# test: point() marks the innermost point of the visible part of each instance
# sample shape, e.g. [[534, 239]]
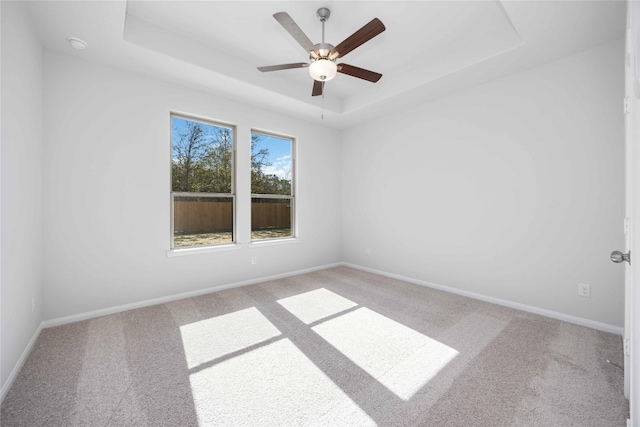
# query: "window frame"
[[291, 197], [173, 194]]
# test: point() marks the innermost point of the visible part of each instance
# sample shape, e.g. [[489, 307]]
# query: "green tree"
[[187, 153], [217, 162], [202, 162], [259, 160], [202, 159], [262, 183]]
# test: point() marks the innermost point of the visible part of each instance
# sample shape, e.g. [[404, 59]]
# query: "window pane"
[[271, 167], [201, 157], [270, 218], [201, 221]]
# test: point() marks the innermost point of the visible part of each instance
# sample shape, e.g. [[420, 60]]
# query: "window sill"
[[260, 243], [202, 250]]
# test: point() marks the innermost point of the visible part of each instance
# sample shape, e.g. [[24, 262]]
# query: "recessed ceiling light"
[[77, 43]]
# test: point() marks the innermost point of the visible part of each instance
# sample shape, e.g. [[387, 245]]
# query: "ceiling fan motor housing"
[[322, 51]]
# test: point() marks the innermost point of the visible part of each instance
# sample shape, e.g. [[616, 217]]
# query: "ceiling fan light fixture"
[[323, 70]]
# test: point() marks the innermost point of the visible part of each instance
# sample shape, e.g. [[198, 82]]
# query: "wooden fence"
[[265, 215], [189, 216]]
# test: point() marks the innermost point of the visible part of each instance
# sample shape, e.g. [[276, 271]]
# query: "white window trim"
[[274, 242], [294, 238], [192, 250], [198, 250]]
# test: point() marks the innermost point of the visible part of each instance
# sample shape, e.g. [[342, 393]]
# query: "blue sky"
[[279, 155], [179, 126]]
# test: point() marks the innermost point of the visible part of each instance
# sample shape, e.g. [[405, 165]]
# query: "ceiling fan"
[[323, 56]]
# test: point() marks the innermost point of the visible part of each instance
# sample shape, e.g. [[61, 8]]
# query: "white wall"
[[107, 211], [21, 177], [513, 190]]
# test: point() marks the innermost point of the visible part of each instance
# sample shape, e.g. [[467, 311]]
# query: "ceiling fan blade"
[[292, 28], [358, 72], [318, 87], [361, 36], [283, 66]]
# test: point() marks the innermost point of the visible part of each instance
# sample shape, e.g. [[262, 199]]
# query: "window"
[[202, 183], [272, 186]]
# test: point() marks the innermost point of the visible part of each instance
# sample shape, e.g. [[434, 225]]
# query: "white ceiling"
[[429, 48]]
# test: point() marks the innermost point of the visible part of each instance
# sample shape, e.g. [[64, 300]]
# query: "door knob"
[[618, 257]]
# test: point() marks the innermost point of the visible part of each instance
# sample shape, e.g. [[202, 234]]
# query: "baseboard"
[[146, 303], [162, 300], [16, 369], [618, 330]]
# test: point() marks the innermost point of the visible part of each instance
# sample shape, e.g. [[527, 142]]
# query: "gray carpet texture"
[[335, 347]]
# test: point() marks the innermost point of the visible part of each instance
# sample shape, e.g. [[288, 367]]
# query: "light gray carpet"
[[334, 347]]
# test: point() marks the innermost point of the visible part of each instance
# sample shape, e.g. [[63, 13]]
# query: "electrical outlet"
[[367, 252], [584, 290], [254, 261]]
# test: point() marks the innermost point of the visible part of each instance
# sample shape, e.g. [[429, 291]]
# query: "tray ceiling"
[[429, 48]]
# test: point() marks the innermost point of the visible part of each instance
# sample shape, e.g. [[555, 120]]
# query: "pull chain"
[[322, 113]]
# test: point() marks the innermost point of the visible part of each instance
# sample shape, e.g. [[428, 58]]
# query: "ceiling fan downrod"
[[323, 49], [323, 15]]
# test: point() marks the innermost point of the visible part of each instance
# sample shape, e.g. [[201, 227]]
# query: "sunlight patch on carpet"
[[274, 384], [315, 305], [210, 339], [401, 359]]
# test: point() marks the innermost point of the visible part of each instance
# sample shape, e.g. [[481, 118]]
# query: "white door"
[[632, 222]]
